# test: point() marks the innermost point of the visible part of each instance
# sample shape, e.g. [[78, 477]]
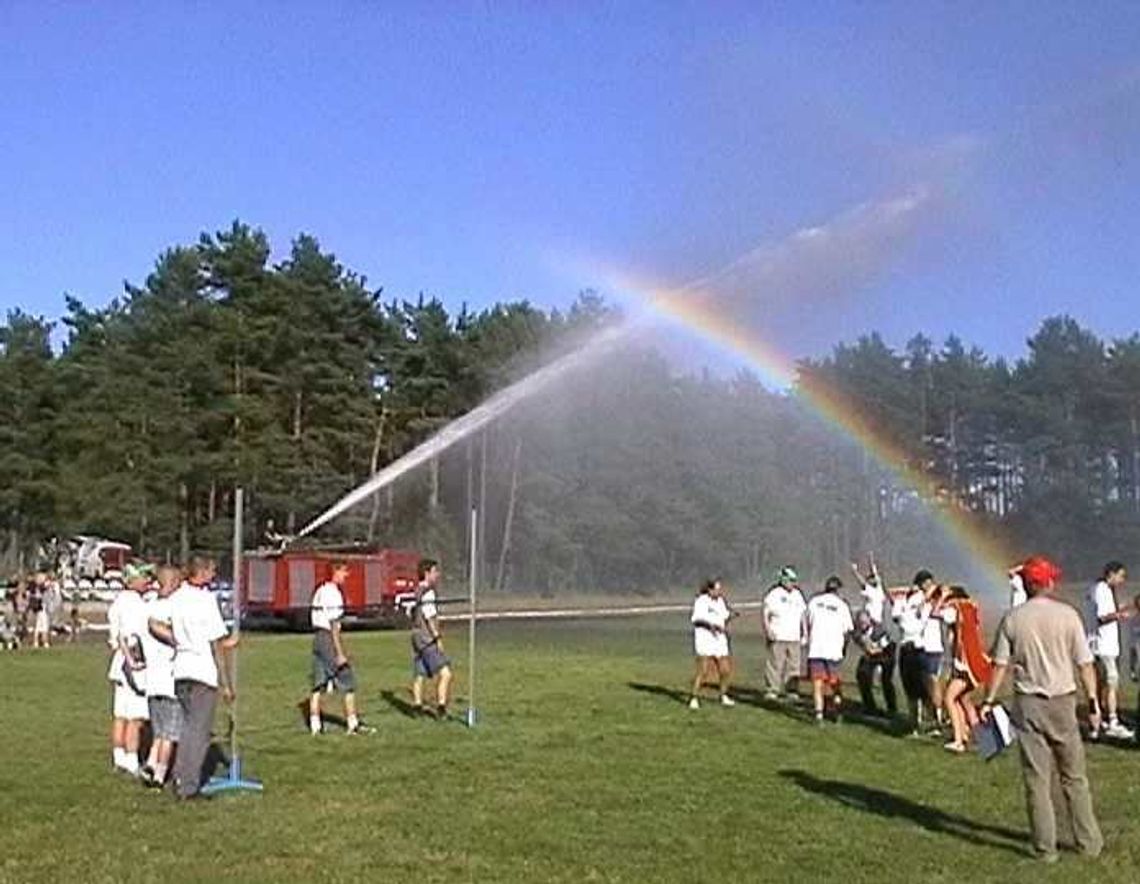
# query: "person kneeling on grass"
[[829, 622], [428, 658], [165, 711], [330, 662], [971, 665], [710, 642]]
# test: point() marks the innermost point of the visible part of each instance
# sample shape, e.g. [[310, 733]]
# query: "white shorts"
[[130, 705], [1108, 670], [708, 644]]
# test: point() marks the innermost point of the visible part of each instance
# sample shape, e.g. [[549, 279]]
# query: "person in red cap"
[[1044, 641]]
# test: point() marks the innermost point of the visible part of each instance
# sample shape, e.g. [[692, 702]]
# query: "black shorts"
[[325, 670]]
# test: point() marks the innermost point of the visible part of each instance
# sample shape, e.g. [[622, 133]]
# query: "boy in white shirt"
[[783, 612], [165, 710], [127, 624], [1103, 625], [201, 645], [330, 662], [829, 622]]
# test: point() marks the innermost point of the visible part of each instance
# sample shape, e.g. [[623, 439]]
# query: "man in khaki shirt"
[[1044, 641]]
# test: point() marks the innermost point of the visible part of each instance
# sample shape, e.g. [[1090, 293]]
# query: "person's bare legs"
[[724, 672], [817, 696], [936, 697], [443, 688], [315, 711], [418, 691], [957, 716], [698, 677], [349, 706]]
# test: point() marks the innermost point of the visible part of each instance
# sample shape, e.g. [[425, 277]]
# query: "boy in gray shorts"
[[331, 668], [165, 710], [428, 658]]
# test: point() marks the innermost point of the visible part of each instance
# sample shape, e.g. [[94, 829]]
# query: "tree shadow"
[[891, 806]]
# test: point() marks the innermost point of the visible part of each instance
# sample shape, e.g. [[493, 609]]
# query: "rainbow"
[[693, 310]]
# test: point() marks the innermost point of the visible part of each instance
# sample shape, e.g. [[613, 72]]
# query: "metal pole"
[[235, 604], [473, 579]]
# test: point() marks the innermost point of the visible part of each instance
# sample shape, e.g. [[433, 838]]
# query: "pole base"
[[470, 717], [232, 782]]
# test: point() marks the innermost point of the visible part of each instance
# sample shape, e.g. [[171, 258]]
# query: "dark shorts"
[[429, 661], [325, 671], [165, 718], [823, 670], [931, 664]]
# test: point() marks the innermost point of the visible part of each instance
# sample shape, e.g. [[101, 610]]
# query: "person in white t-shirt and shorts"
[[829, 622], [1103, 624], [710, 642], [165, 710], [331, 668], [127, 624]]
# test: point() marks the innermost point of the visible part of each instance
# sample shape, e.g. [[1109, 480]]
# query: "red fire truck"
[[277, 586]]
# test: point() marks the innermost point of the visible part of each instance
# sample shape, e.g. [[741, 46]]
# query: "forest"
[[296, 381]]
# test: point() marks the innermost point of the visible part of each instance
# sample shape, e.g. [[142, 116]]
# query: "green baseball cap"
[[137, 570], [787, 574]]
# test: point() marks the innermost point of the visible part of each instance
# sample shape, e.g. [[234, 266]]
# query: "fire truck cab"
[[279, 585]]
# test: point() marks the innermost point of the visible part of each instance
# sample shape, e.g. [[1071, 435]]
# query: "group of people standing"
[[35, 607], [931, 634], [1046, 644], [169, 662]]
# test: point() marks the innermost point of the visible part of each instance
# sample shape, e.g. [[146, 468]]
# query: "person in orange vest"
[[970, 664]]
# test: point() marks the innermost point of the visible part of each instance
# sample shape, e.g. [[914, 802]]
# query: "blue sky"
[[492, 151]]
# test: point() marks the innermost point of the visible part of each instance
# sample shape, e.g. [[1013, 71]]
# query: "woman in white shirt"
[[710, 642]]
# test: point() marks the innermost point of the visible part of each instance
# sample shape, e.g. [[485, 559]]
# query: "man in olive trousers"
[[1044, 641]]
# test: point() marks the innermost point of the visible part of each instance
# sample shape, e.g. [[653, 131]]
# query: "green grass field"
[[585, 766]]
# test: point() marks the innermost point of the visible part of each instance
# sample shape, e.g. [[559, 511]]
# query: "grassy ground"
[[584, 767]]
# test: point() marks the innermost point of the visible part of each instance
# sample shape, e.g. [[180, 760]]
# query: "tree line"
[[297, 380]]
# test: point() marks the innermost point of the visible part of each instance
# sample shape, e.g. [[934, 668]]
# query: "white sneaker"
[[726, 700], [1118, 731], [694, 703]]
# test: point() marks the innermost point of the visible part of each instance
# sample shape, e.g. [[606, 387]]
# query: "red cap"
[[1038, 571]]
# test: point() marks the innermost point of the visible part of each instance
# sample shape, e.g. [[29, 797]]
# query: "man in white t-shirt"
[[201, 645], [331, 668], [783, 613], [1102, 627], [127, 624], [829, 622], [710, 642], [165, 710]]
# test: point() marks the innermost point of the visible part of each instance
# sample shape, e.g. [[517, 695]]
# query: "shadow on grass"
[[885, 804], [326, 717], [798, 710], [675, 694], [400, 704]]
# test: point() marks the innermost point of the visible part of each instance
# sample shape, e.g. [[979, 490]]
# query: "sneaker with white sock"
[[726, 700], [694, 703], [1118, 731]]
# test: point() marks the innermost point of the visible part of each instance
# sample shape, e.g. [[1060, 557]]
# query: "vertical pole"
[[473, 579], [239, 519]]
